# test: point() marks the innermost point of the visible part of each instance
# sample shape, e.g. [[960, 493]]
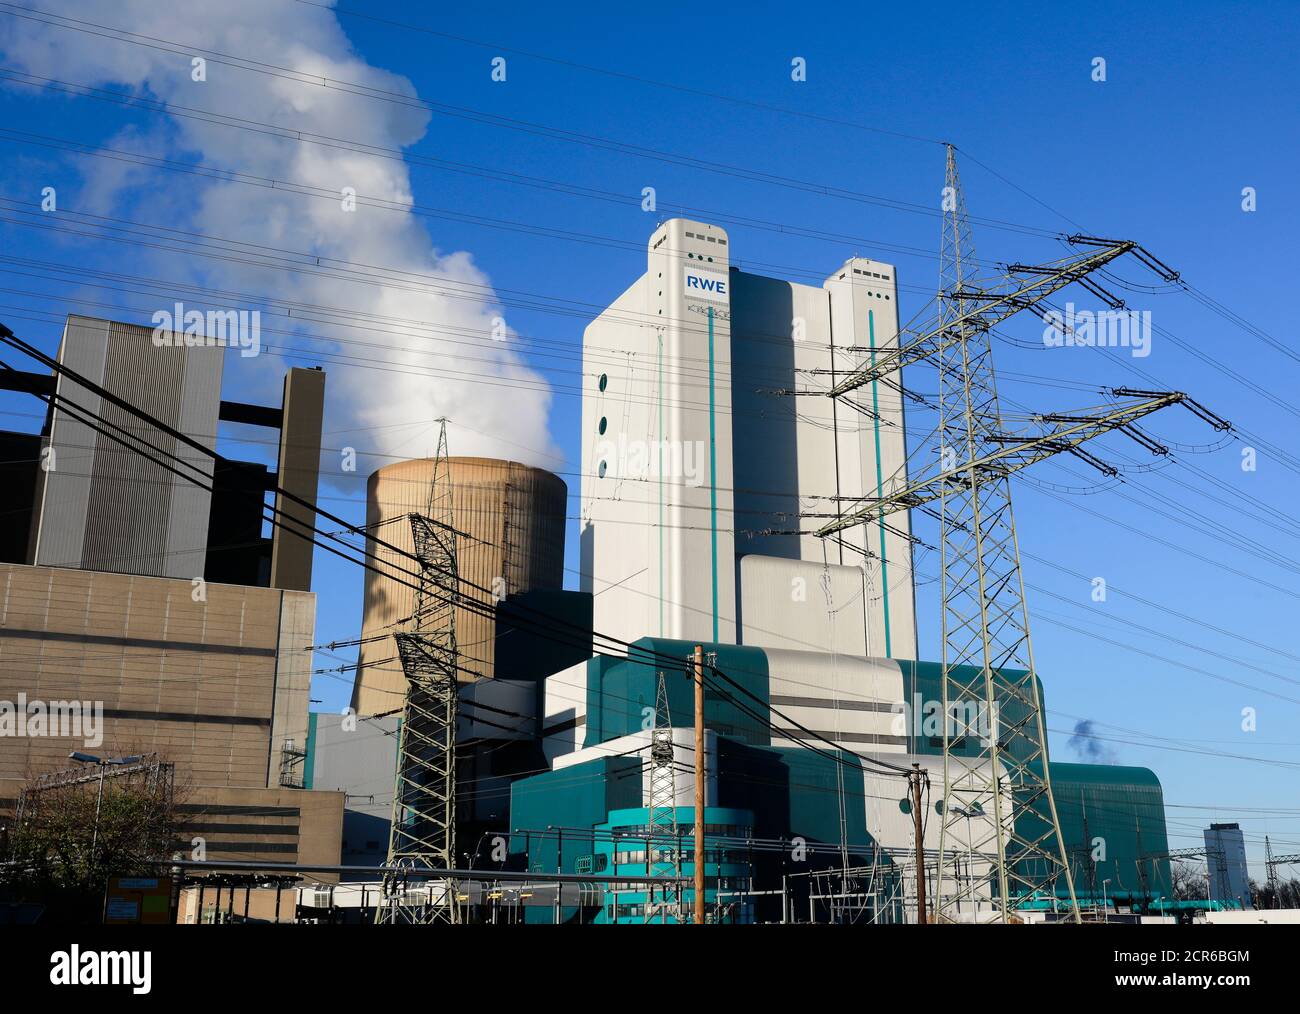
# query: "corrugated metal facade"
[[105, 507]]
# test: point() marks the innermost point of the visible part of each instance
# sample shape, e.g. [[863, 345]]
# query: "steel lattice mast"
[[1210, 855], [988, 658], [989, 674], [970, 309], [664, 838], [423, 832], [1271, 863]]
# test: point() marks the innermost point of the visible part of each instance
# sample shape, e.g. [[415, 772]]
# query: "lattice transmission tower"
[[988, 656], [663, 840], [1271, 863], [997, 800], [423, 832]]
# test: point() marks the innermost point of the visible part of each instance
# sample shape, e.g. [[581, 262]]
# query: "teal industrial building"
[[779, 815]]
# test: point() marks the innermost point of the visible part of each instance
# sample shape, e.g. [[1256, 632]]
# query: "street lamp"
[[102, 763]]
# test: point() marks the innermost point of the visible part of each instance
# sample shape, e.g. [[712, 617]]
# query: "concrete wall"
[[851, 701], [564, 706], [803, 604], [214, 686], [241, 823], [871, 456], [692, 455], [656, 510], [303, 408], [358, 757], [1272, 916]]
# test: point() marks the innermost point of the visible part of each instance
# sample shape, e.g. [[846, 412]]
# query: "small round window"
[[602, 470], [604, 380], [603, 423]]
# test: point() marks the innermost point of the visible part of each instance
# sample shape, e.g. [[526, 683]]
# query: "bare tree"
[[1188, 881], [1287, 894]]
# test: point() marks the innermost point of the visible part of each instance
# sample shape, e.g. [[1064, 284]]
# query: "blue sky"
[[1199, 102]]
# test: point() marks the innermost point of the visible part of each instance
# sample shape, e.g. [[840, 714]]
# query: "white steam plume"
[[369, 409]]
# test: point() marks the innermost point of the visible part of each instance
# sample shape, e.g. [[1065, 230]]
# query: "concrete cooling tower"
[[513, 517]]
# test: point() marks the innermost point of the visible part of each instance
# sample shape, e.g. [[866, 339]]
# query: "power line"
[[510, 123]]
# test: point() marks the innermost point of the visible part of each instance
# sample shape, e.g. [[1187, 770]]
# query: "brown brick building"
[[217, 686], [158, 604]]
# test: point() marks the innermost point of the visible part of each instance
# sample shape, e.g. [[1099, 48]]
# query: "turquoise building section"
[[627, 844], [309, 764], [580, 819], [923, 689], [1122, 807], [552, 815], [621, 692], [1110, 816], [797, 793], [779, 812]]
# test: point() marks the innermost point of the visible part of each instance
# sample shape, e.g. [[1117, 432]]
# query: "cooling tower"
[[512, 518]]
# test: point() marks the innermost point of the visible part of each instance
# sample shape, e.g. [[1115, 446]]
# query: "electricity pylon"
[[988, 658], [1211, 855], [967, 310], [1271, 863], [989, 676], [663, 840], [423, 832]]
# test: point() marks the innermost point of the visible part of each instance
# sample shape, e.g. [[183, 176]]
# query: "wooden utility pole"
[[914, 783], [699, 785]]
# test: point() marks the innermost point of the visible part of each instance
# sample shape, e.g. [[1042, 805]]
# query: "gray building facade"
[[1229, 877], [101, 506]]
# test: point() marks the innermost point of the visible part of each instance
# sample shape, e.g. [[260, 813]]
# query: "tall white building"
[[699, 475]]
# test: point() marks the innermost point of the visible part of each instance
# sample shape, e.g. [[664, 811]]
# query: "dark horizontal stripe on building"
[[242, 810], [7, 805], [280, 848], [827, 702], [843, 737], [182, 716], [218, 828], [137, 642], [565, 726]]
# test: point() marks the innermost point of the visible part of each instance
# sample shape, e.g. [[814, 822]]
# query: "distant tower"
[[1229, 875]]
